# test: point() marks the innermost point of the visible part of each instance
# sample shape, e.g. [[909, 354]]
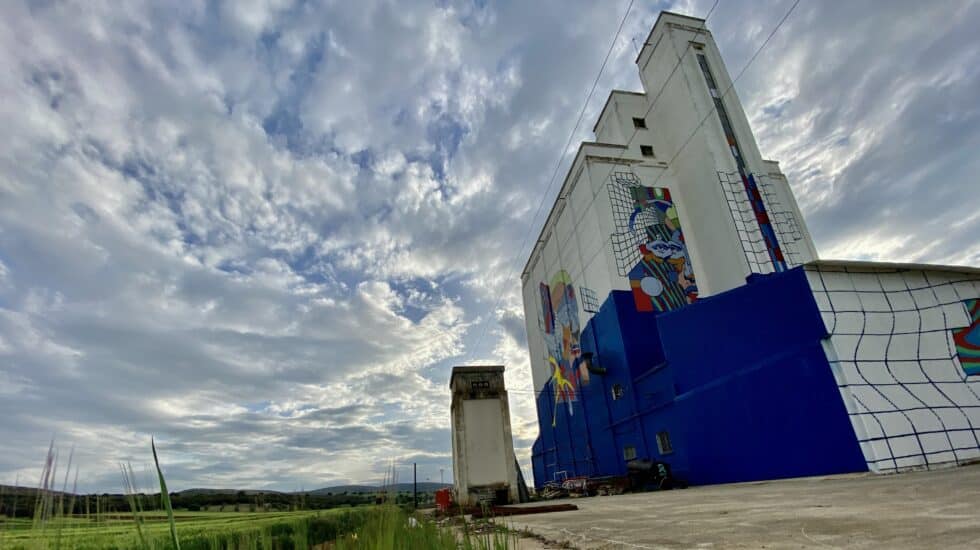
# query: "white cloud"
[[264, 234]]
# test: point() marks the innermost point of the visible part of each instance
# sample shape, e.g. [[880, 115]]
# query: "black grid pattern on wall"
[[625, 241], [753, 245], [783, 220], [895, 359], [590, 302]]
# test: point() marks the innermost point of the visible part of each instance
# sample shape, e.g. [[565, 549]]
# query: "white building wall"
[[892, 353], [579, 240], [483, 449], [575, 242], [793, 232], [486, 451], [669, 70], [699, 154]]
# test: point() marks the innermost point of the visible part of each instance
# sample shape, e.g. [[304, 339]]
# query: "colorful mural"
[[662, 279], [559, 319], [968, 340], [748, 180]]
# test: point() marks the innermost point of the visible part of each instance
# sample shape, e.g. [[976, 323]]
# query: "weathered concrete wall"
[[485, 445], [484, 464]]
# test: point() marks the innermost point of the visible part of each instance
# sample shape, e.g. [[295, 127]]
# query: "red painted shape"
[[640, 298]]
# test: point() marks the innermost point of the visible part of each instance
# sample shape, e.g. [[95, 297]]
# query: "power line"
[[561, 156]]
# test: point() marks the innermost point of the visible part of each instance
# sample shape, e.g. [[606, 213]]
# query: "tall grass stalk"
[[43, 487], [60, 515], [165, 498], [135, 502]]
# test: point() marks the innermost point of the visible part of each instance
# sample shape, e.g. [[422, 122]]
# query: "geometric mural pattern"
[[783, 221], [626, 240], [649, 245], [562, 331], [590, 302], [744, 217], [761, 215], [968, 340], [896, 351], [753, 245]]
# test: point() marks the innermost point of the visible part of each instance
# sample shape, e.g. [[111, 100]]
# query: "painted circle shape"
[[651, 286]]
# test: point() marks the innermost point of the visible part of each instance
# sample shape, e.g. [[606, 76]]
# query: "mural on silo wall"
[[651, 256], [649, 245], [968, 340], [560, 321]]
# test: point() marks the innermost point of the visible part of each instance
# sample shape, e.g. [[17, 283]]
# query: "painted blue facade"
[[739, 383]]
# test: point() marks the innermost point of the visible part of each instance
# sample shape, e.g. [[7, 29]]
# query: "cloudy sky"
[[263, 231]]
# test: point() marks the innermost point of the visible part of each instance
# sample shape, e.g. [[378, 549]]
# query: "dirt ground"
[[938, 509]]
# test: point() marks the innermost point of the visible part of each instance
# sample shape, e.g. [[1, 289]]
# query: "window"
[[639, 122], [629, 453], [646, 150], [617, 392], [663, 443]]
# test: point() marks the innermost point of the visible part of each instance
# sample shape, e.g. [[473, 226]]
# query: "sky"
[[262, 232]]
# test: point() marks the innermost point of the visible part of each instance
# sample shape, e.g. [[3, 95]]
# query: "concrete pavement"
[[939, 509]]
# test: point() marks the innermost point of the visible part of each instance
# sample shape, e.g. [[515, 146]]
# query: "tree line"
[[22, 503]]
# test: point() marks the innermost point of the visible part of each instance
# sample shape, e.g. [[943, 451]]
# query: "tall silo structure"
[[484, 466]]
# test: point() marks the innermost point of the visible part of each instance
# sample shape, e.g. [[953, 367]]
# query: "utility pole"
[[415, 485]]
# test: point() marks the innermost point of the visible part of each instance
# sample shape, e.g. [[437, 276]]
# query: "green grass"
[[196, 530], [390, 528], [385, 527], [165, 498], [374, 527]]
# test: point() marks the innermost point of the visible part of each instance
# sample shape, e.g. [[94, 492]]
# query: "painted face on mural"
[[663, 278], [666, 249]]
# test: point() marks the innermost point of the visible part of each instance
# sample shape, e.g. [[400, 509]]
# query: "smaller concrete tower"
[[484, 466]]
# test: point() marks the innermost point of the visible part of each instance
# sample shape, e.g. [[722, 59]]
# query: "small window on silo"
[[663, 443], [617, 392], [629, 453], [639, 122], [646, 150]]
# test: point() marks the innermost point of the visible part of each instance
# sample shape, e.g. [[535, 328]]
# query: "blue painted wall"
[[739, 381]]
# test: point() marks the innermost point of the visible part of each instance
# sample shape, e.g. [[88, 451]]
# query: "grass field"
[[368, 527], [196, 530], [53, 525]]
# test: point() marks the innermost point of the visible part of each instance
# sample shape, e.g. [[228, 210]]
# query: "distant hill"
[[423, 487], [203, 491], [344, 489], [20, 490]]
